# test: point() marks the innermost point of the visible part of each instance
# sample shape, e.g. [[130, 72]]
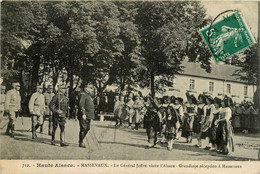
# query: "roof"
[[218, 71]]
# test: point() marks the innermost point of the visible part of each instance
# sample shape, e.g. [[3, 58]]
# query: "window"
[[245, 90], [211, 86], [192, 84], [229, 88]]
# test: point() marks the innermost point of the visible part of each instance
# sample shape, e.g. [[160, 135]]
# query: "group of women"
[[205, 118]]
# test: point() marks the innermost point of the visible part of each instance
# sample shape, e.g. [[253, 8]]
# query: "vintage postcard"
[[130, 87]]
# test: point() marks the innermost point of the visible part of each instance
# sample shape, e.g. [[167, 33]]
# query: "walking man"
[[36, 108], [86, 112], [59, 108], [48, 113], [12, 107], [152, 121]]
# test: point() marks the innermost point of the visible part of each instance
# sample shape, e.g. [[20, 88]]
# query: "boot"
[[136, 126], [41, 128], [33, 132], [129, 126], [81, 138], [53, 138], [62, 139], [12, 130], [36, 127], [7, 132]]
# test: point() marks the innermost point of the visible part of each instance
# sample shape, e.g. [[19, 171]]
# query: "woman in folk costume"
[[206, 123], [213, 128], [138, 105], [191, 110], [171, 120], [200, 117], [224, 134], [162, 116], [179, 109]]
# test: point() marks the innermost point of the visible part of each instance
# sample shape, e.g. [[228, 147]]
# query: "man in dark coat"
[[86, 112], [59, 108], [152, 121]]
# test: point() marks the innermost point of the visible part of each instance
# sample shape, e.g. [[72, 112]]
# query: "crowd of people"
[[202, 118], [165, 119]]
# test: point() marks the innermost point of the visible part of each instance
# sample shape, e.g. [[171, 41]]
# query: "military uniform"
[[12, 107], [152, 122], [36, 108], [86, 108], [59, 108], [48, 113]]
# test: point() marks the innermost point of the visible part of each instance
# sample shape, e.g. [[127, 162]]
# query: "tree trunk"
[[152, 82], [35, 73]]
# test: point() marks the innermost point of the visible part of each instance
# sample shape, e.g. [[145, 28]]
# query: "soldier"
[[37, 108], [59, 108], [152, 121], [48, 95], [86, 112], [12, 107], [2, 102]]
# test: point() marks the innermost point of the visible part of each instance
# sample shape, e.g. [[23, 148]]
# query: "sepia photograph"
[[129, 80]]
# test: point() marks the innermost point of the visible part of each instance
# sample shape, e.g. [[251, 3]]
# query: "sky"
[[249, 11]]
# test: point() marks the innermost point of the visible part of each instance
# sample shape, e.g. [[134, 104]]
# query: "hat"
[[3, 87], [217, 100], [228, 101], [39, 86], [203, 97], [172, 99], [14, 84], [211, 100], [179, 99], [193, 99]]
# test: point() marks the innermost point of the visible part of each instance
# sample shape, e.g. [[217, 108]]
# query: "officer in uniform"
[[37, 108], [2, 102], [59, 108], [152, 121], [12, 107], [48, 95], [86, 112]]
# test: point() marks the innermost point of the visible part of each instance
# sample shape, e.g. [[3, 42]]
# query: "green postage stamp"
[[227, 36]]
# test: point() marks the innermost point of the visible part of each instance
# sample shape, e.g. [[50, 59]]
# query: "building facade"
[[222, 80]]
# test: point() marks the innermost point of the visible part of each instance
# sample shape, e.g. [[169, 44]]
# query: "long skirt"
[[170, 131], [224, 137], [187, 126], [196, 124], [213, 133]]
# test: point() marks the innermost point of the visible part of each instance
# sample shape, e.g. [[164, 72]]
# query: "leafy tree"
[[169, 32]]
